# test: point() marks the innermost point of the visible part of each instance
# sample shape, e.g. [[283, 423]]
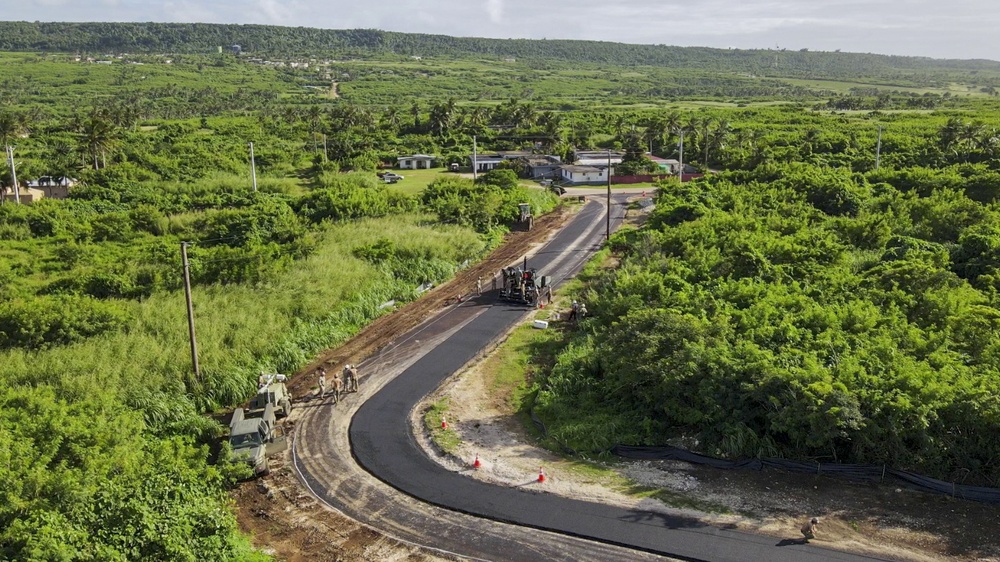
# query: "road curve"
[[322, 460], [382, 443]]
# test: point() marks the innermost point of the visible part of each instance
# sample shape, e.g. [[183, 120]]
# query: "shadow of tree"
[[664, 519]]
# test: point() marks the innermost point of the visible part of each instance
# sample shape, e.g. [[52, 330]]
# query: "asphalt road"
[[382, 443], [322, 459]]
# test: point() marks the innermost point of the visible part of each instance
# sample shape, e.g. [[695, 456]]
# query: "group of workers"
[[345, 380]]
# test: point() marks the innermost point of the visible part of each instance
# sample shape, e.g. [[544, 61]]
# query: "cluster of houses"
[[588, 168]]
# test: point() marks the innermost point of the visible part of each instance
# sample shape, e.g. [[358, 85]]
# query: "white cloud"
[[494, 8], [275, 11]]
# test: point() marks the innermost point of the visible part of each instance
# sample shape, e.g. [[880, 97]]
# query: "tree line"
[[201, 37]]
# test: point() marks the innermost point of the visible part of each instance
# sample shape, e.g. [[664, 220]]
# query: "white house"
[[490, 160], [598, 158], [415, 162], [583, 175]]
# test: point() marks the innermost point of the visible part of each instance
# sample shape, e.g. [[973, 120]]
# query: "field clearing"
[[842, 87], [415, 181]]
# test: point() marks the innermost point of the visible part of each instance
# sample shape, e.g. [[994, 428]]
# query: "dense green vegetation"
[[799, 311], [801, 303], [107, 447]]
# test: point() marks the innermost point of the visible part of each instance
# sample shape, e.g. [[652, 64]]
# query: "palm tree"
[[441, 116], [618, 122], [390, 117], [717, 138], [988, 143], [551, 124], [415, 112], [314, 117], [669, 126], [580, 135], [11, 126], [99, 137]]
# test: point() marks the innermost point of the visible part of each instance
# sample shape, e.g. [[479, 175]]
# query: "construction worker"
[[583, 311], [321, 372], [338, 387], [809, 529], [494, 281], [573, 310], [479, 286], [353, 386], [349, 378]]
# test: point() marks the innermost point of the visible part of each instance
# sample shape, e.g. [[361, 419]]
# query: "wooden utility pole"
[[190, 310], [878, 148], [253, 168], [680, 171], [475, 164], [13, 174], [607, 227]]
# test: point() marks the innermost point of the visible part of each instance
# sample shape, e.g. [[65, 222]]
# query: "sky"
[[962, 29]]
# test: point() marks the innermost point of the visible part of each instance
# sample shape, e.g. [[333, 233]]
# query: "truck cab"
[[250, 438]]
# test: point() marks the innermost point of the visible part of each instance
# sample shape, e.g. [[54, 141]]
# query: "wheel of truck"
[[267, 468]]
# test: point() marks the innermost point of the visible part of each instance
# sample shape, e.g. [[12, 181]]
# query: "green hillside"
[[270, 40]]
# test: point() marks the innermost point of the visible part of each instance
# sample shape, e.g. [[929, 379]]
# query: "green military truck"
[[254, 433], [253, 439], [272, 390]]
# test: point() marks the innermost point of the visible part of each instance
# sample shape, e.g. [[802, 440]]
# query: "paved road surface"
[[382, 443], [323, 460]]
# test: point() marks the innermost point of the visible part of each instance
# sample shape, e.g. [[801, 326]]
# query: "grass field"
[[415, 181], [842, 87]]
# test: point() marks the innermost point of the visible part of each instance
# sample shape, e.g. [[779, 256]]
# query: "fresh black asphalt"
[[382, 443]]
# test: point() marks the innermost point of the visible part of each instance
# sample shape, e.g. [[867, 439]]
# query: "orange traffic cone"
[[476, 463], [444, 422], [541, 475]]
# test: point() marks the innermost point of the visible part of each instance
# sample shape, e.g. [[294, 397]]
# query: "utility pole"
[[607, 227], [190, 308], [13, 174], [680, 168], [475, 165], [878, 148], [253, 168], [326, 150]]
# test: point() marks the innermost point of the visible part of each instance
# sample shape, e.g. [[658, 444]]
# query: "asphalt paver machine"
[[521, 284]]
